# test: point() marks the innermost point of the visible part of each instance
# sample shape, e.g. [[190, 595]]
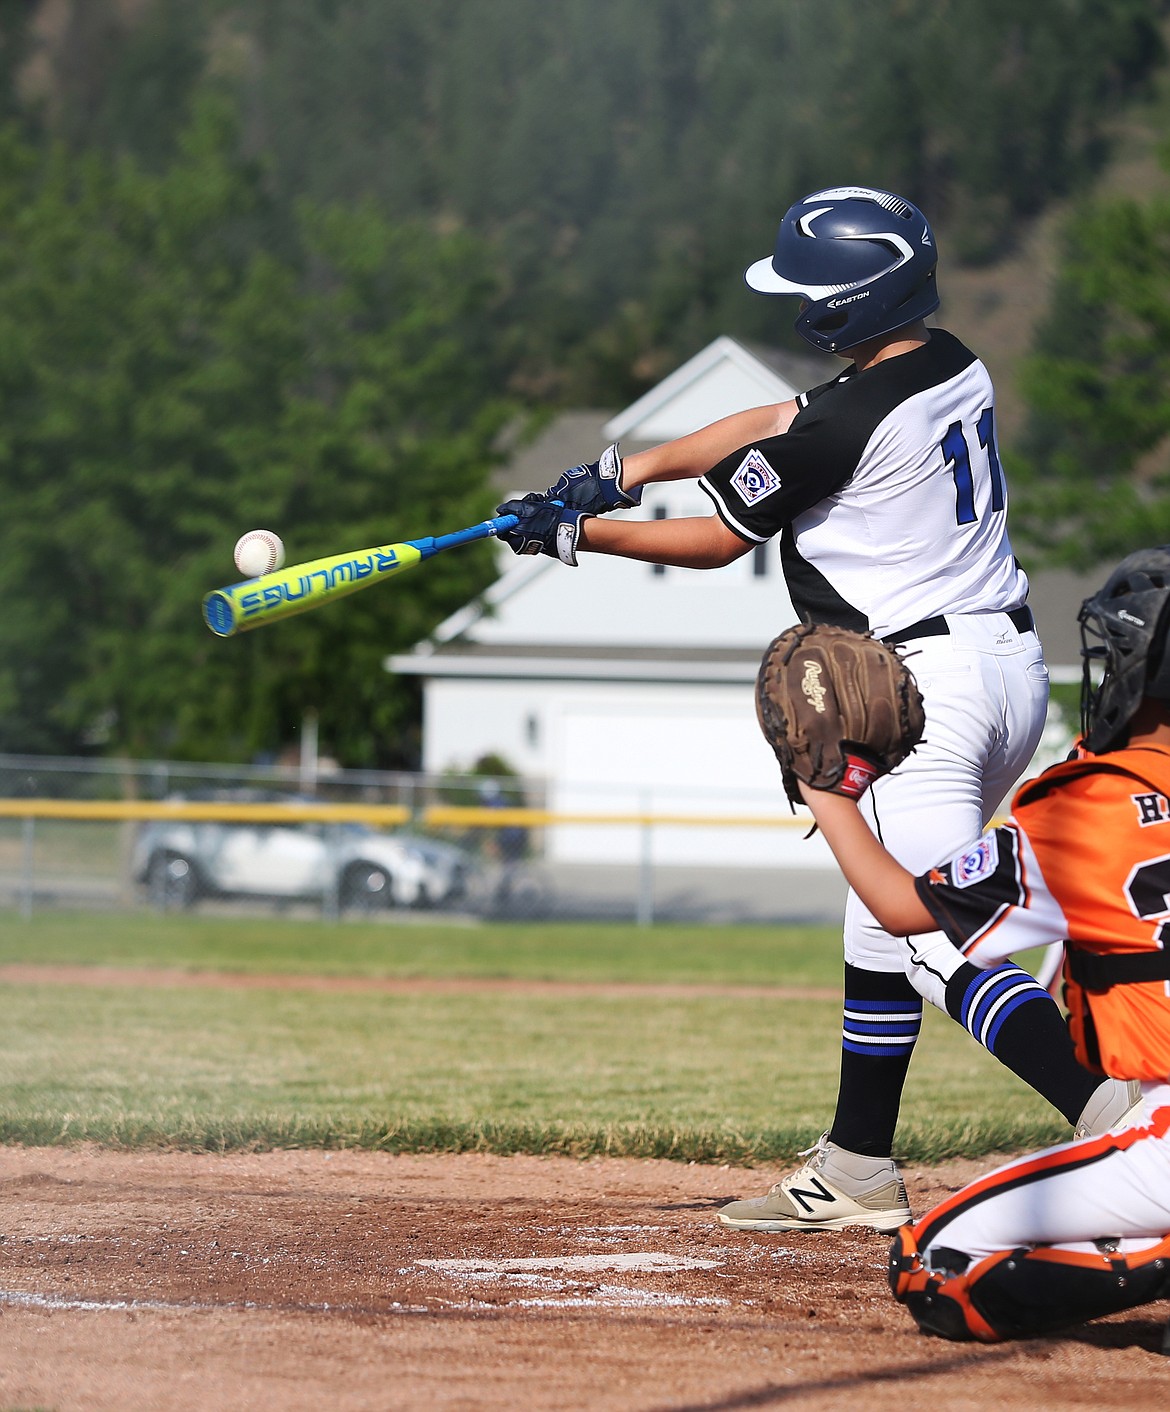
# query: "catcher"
[[1079, 1230]]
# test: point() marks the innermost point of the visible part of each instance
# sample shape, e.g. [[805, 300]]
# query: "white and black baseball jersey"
[[887, 493]]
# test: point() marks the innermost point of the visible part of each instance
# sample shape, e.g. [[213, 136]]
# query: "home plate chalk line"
[[647, 1262], [554, 1275]]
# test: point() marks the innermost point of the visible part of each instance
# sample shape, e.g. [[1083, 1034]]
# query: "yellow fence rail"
[[450, 816], [199, 810], [436, 816]]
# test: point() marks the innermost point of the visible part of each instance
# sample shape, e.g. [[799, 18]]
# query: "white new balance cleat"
[[833, 1189]]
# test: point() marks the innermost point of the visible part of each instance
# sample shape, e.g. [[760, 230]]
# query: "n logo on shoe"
[[806, 1197]]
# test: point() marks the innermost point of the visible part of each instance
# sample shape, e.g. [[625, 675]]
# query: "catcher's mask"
[[1124, 627], [863, 259]]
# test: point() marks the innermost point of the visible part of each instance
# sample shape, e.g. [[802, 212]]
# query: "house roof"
[[570, 437], [568, 662], [725, 377]]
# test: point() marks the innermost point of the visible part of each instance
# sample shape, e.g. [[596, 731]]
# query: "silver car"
[[348, 867]]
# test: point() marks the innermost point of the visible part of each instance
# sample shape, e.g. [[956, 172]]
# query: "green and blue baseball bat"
[[240, 607]]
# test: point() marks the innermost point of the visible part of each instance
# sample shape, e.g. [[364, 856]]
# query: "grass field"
[[410, 945], [609, 1067]]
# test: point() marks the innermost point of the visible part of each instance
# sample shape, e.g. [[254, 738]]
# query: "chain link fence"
[[223, 839]]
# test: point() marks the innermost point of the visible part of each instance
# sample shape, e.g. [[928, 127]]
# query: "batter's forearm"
[[881, 882], [692, 456], [694, 543]]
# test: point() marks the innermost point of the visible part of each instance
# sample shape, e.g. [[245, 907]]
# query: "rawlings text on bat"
[[243, 606]]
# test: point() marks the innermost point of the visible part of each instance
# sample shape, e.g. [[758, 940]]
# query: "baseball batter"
[[1079, 1230], [886, 491]]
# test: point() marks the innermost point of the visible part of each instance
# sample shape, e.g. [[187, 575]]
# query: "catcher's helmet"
[[863, 259], [1124, 625]]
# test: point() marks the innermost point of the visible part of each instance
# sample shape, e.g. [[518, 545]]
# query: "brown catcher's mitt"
[[838, 708]]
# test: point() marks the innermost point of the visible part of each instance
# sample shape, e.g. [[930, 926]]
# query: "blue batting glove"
[[545, 527], [596, 488]]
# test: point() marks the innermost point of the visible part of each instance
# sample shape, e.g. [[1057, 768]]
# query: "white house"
[[627, 687]]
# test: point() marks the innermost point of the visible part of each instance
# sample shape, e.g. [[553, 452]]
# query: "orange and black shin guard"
[[1025, 1292]]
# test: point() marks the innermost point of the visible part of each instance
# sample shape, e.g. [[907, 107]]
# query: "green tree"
[[1093, 475], [167, 381]]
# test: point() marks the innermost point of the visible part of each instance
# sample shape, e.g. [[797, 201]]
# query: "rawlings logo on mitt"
[[838, 708]]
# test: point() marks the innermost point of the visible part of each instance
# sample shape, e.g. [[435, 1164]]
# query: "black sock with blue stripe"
[[883, 1014], [1015, 1018]]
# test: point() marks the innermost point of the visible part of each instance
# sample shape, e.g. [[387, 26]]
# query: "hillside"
[[623, 163], [996, 308]]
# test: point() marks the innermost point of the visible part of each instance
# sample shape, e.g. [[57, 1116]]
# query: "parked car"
[[350, 866]]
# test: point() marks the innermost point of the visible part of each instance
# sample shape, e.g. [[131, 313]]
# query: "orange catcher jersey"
[[1085, 857]]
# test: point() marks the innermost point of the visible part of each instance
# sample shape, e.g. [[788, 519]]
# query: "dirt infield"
[[363, 1281], [168, 978]]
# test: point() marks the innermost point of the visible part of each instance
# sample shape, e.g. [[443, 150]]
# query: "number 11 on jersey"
[[956, 452]]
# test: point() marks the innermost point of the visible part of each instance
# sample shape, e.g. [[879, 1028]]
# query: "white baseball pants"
[[985, 692]]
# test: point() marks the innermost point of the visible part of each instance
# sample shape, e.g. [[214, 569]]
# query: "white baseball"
[[259, 552]]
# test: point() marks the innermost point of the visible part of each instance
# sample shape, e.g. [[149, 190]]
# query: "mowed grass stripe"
[[409, 945], [706, 1077]]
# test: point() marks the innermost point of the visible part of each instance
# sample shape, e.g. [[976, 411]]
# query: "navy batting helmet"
[[863, 259], [1124, 627]]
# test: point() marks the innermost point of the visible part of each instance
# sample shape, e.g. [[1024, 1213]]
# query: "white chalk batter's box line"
[[558, 1295], [586, 1232], [643, 1262], [30, 1299], [616, 1296]]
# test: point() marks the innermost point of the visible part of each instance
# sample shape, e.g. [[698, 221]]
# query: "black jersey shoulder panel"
[[866, 399], [822, 449]]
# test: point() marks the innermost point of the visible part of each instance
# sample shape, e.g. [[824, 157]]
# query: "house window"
[[659, 514], [760, 561]]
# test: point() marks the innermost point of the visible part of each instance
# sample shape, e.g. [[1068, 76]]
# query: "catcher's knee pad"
[[939, 1302], [1018, 1293]]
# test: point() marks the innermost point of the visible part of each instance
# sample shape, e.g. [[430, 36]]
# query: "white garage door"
[[685, 763]]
